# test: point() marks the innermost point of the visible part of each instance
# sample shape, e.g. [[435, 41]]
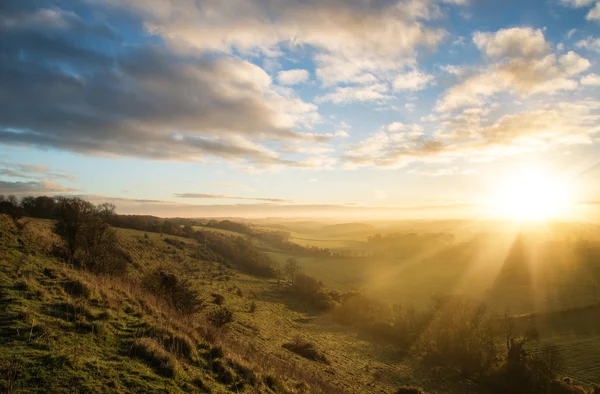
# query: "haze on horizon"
[[399, 109]]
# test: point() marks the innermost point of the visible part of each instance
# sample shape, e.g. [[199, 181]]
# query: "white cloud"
[[292, 77], [373, 34], [532, 130], [454, 70], [577, 3], [514, 42], [590, 43], [348, 94], [522, 65], [591, 80], [413, 80], [594, 14], [573, 64]]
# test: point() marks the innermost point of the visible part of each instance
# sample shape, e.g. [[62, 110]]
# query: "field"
[[90, 327], [487, 269], [267, 316]]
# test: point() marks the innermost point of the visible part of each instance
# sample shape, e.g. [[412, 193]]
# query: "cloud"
[[144, 100], [445, 171], [382, 27], [577, 3], [292, 77], [30, 171], [350, 40], [514, 42], [591, 80], [348, 94], [456, 2], [413, 80], [522, 64], [227, 197], [590, 43], [474, 136], [594, 14], [33, 187]]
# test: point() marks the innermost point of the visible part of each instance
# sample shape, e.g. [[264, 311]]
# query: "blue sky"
[[291, 107]]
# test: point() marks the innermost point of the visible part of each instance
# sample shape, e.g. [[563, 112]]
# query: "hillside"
[[62, 326], [65, 327]]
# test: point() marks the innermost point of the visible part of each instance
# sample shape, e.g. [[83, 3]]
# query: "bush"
[[252, 308], [358, 310], [218, 299], [220, 316], [460, 334], [305, 349], [534, 373], [178, 293], [312, 291]]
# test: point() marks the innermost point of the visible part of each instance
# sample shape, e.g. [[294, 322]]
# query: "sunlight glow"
[[534, 195]]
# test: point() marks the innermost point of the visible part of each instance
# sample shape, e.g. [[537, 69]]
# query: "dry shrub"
[[305, 349], [220, 317]]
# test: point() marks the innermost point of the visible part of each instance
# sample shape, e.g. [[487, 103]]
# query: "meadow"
[[366, 306]]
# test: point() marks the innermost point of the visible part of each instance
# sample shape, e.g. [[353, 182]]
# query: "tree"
[[291, 269], [72, 212], [86, 232]]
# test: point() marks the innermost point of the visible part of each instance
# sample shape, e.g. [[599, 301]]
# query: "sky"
[[296, 107]]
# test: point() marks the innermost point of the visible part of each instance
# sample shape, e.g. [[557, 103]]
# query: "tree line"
[[89, 236]]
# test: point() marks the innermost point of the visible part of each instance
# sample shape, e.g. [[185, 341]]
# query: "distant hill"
[[347, 228]]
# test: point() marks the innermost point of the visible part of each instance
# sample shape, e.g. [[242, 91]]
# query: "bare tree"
[[291, 269]]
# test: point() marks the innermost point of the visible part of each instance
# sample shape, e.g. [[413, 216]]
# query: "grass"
[[60, 327]]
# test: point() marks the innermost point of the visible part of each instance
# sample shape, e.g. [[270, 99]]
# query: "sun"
[[533, 195]]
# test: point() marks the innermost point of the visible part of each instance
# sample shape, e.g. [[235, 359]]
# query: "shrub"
[[460, 334], [305, 349], [218, 299], [252, 308], [178, 293], [533, 373], [312, 291], [220, 316], [358, 310]]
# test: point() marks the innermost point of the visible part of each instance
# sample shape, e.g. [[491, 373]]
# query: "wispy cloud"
[[33, 187], [16, 170], [228, 197]]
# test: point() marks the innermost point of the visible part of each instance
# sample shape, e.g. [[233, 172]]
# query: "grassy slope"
[[63, 328], [60, 338]]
